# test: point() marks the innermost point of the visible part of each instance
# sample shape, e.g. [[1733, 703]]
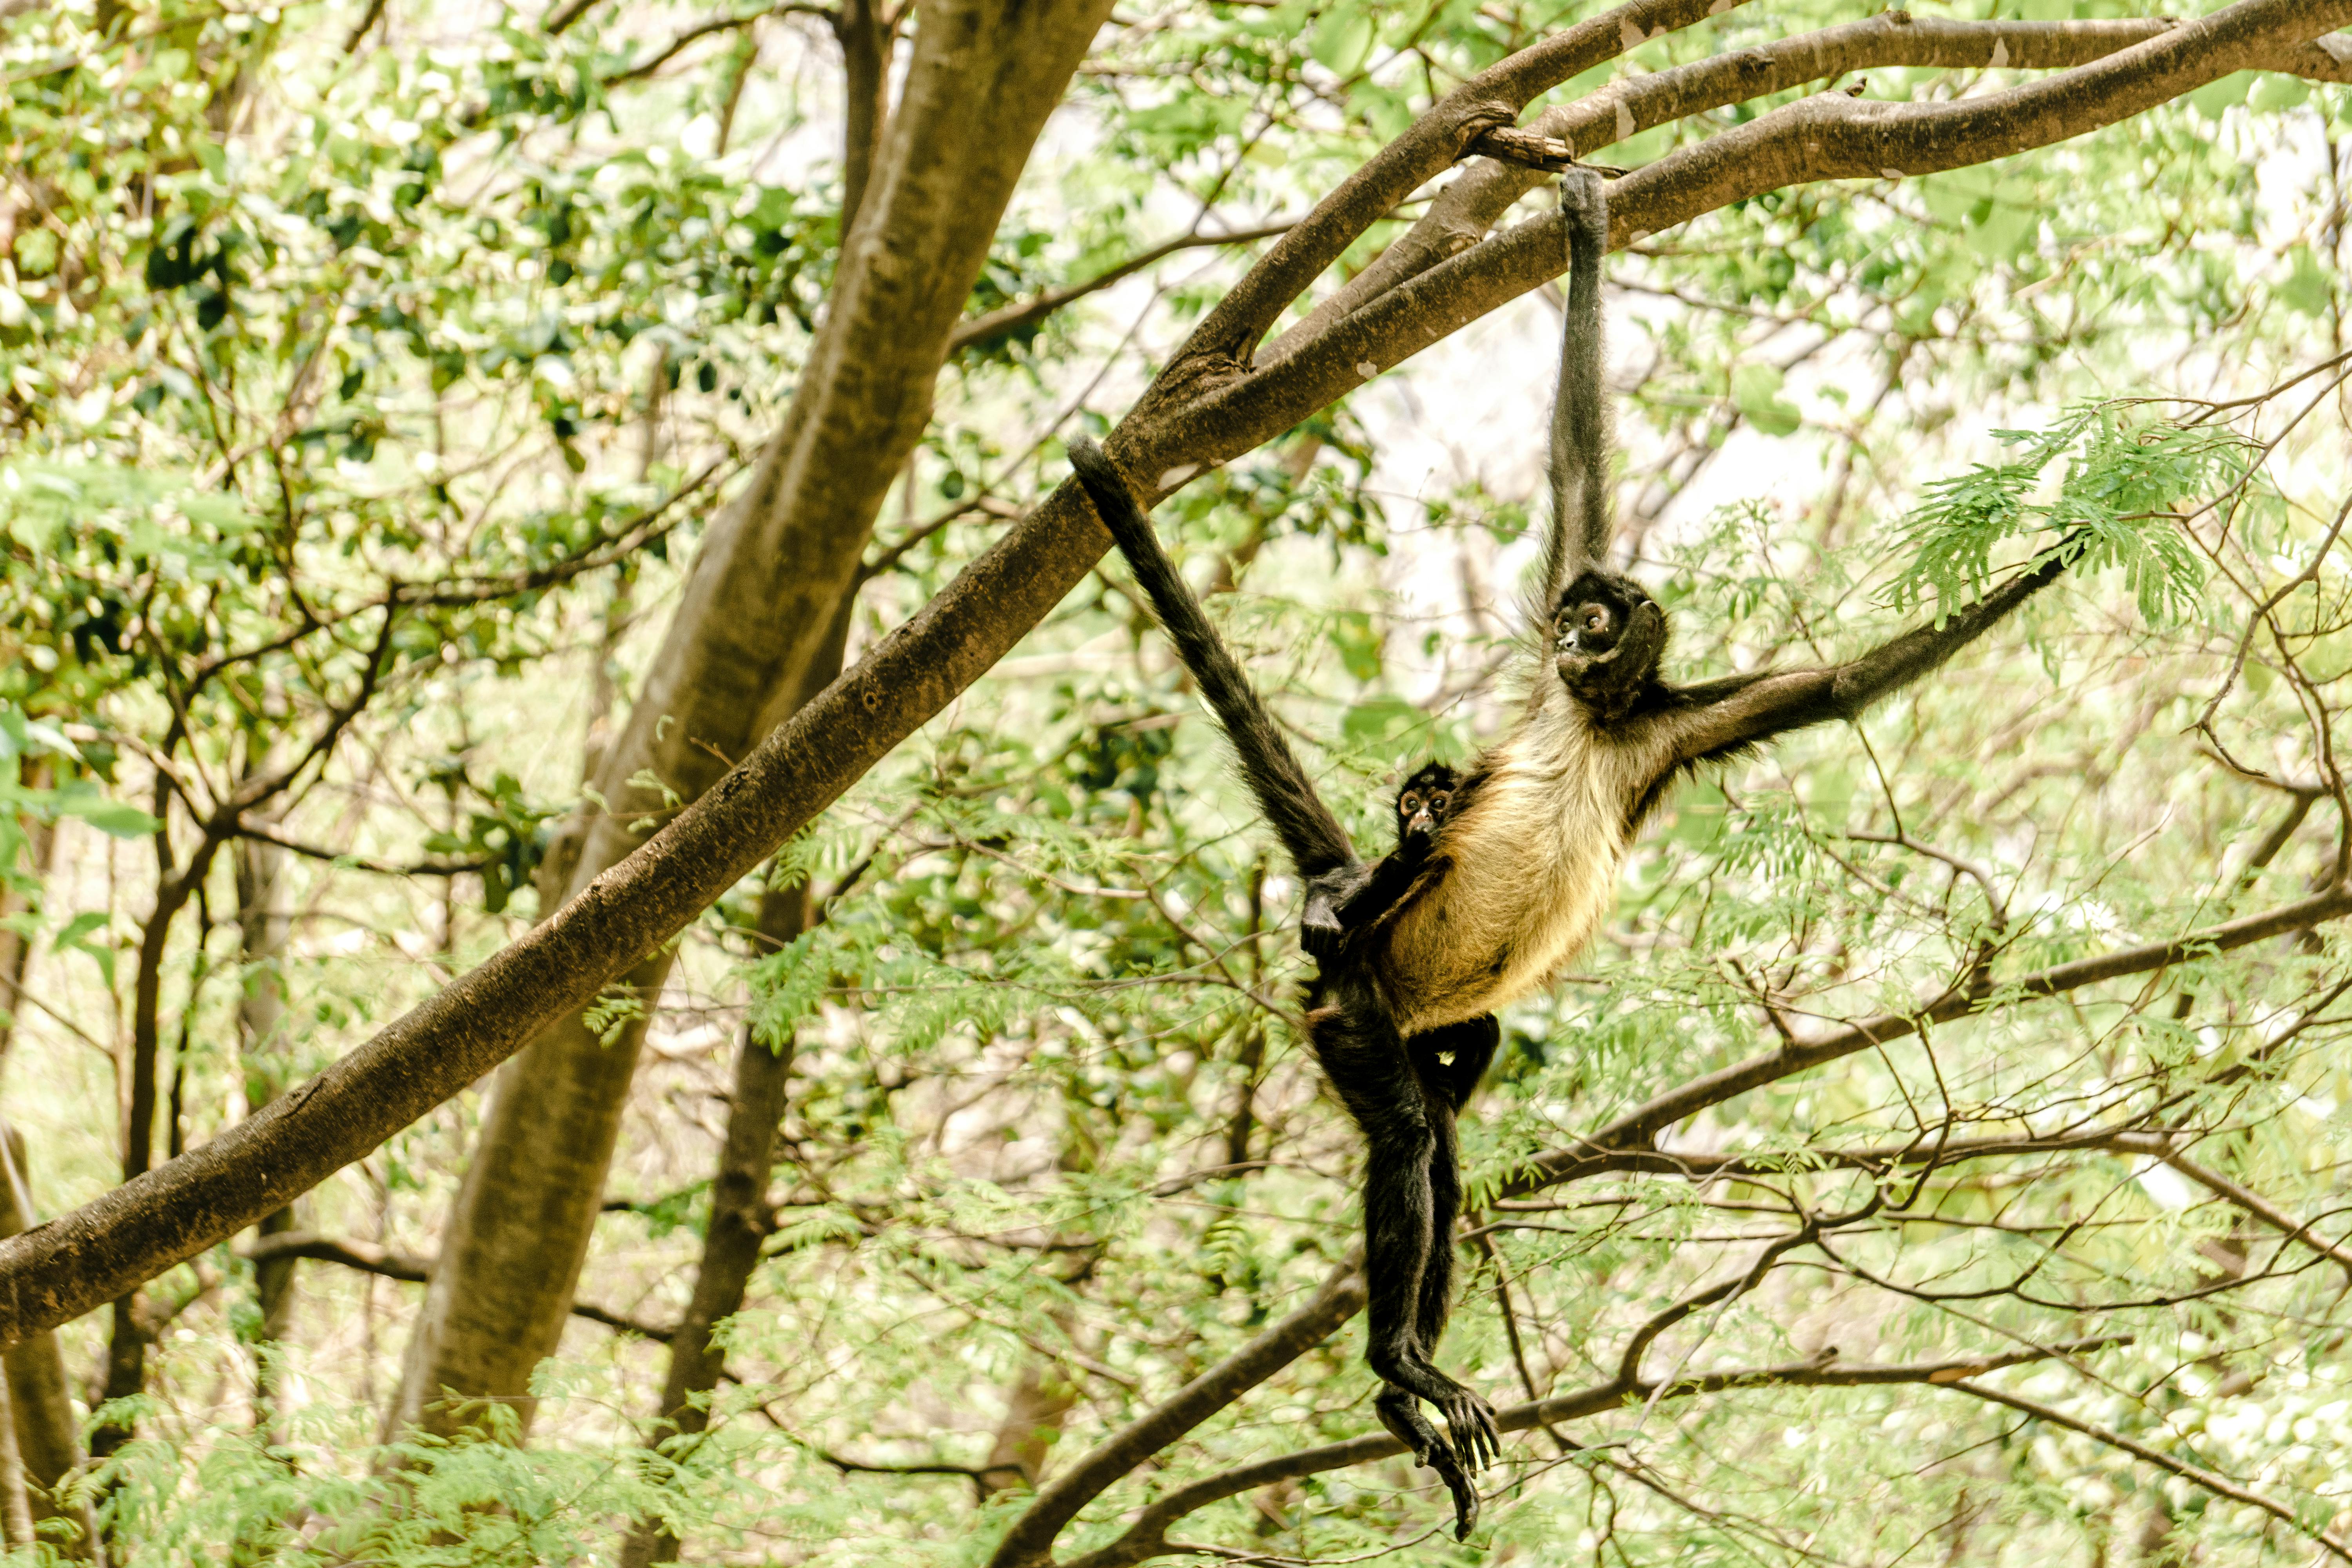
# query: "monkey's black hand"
[[1401, 1414], [1319, 930], [1472, 1421]]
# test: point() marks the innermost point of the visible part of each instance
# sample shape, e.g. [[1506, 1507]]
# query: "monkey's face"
[[1608, 636], [1422, 806]]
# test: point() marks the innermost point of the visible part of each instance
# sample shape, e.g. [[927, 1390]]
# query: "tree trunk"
[[16, 1508], [738, 1193], [262, 930], [751, 622], [48, 1439]]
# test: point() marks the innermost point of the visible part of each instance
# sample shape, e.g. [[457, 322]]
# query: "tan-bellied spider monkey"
[[1525, 861]]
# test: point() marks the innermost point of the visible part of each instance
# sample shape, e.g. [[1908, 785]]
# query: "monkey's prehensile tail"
[[1310, 833], [1583, 517]]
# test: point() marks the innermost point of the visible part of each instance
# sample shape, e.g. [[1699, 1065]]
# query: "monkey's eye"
[[1410, 804], [1592, 618], [1439, 801]]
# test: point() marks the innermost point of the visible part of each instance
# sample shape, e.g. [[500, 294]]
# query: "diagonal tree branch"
[[144, 1227], [1148, 1536], [1466, 208], [1031, 1538], [1226, 339], [1009, 319]]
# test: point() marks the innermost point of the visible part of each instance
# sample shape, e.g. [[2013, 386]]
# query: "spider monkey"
[[1526, 860], [1447, 1065], [1349, 900]]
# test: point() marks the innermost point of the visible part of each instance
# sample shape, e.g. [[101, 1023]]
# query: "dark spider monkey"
[[1349, 900], [1528, 859], [1447, 1065]]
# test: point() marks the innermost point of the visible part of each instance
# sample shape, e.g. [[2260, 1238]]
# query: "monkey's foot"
[[1471, 1420], [1401, 1414]]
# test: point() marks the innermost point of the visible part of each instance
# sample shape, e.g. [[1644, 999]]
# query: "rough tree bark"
[[1215, 401], [756, 608]]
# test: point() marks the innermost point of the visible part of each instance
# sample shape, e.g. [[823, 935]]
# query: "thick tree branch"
[[1148, 1536], [1834, 137], [136, 1231], [1468, 207], [1492, 100]]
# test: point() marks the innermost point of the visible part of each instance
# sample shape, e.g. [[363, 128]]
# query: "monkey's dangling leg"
[[1367, 1063]]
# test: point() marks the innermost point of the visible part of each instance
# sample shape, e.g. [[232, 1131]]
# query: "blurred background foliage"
[[387, 363]]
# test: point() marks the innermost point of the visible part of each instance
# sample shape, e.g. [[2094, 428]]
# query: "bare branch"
[[1009, 319], [1031, 1538], [360, 862], [1147, 1537], [1471, 205], [1637, 1129], [670, 50], [2196, 1474], [1490, 101], [369, 1258]]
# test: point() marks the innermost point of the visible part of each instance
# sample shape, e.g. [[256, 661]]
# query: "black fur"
[[1582, 501], [1605, 639], [1312, 836], [1403, 1096]]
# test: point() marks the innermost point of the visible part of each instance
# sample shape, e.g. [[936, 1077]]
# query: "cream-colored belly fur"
[[1535, 860]]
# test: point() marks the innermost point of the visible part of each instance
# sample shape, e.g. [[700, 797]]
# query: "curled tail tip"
[[1093, 464]]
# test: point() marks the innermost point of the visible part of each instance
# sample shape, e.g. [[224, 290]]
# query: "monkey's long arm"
[[1582, 513], [1310, 833], [1722, 717], [1388, 881]]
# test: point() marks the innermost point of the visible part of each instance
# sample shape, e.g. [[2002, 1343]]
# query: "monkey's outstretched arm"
[[1720, 718], [1309, 832], [1582, 515]]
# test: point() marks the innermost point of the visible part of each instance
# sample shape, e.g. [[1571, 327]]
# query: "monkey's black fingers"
[[1321, 938], [1471, 1420]]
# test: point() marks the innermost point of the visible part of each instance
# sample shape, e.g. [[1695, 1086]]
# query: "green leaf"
[[2308, 288], [1380, 720], [2214, 97], [1359, 642], [2273, 92], [1756, 389], [112, 817], [1342, 41], [75, 938]]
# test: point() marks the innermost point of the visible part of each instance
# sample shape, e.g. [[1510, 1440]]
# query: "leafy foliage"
[[366, 380]]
